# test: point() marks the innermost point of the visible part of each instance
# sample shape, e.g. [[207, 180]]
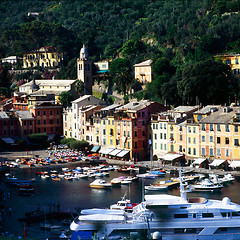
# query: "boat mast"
[[183, 191]]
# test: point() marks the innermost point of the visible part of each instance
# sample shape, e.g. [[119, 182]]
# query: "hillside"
[[182, 31]]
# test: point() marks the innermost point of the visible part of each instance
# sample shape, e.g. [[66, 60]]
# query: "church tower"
[[84, 70]]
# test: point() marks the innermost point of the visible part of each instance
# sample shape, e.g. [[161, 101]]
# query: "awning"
[[199, 160], [171, 156], [235, 164], [8, 140], [115, 152], [102, 150], [122, 153], [106, 150], [95, 148], [217, 162]]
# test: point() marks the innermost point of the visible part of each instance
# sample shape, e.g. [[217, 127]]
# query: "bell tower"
[[84, 70]]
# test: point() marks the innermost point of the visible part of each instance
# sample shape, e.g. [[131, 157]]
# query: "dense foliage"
[[176, 34]]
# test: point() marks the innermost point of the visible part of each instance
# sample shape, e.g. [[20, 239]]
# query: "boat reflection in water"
[[164, 216]]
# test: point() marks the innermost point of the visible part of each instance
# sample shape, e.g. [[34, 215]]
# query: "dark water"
[[75, 195]]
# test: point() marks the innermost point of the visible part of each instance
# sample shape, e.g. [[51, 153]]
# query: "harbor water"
[[75, 195]]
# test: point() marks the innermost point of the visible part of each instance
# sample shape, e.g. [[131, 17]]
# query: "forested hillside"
[[186, 33]]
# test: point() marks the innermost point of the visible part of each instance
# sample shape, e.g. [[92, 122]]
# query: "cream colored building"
[[49, 87], [46, 57], [76, 115], [143, 71]]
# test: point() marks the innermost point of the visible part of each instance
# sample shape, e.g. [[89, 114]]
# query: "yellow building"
[[143, 71], [233, 60], [46, 57]]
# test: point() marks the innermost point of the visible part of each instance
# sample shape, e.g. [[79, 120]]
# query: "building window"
[[218, 128], [226, 140], [180, 137], [218, 152], [189, 129], [189, 140], [189, 150], [135, 123], [211, 151], [135, 133], [104, 131], [226, 152], [236, 128], [160, 125], [180, 148], [203, 127], [143, 144], [211, 127], [111, 132], [143, 133], [203, 138], [155, 146], [111, 142], [135, 145], [194, 151], [236, 142], [161, 135], [143, 123], [39, 122], [203, 151], [227, 128], [44, 113], [44, 122], [155, 136], [172, 148], [194, 140], [211, 139], [50, 112], [38, 113]]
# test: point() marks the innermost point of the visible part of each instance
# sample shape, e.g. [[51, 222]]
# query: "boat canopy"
[[101, 211], [217, 162], [102, 218]]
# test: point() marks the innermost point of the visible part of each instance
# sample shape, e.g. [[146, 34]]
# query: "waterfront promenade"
[[11, 156]]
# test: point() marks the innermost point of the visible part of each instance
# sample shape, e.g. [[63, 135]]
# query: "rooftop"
[[3, 115], [25, 115], [145, 63]]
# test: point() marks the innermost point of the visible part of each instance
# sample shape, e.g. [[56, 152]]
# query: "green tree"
[[66, 98], [120, 70], [209, 81]]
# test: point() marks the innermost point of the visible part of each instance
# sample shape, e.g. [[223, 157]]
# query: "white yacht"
[[164, 217]]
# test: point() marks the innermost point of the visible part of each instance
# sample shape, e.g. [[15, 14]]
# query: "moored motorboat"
[[156, 187], [100, 183], [207, 185]]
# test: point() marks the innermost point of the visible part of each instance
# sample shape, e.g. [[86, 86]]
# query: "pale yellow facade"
[[143, 71], [233, 60], [46, 57]]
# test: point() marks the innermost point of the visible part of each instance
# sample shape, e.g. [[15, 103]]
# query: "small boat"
[[116, 181], [100, 183], [146, 175], [156, 187], [206, 185], [158, 173]]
